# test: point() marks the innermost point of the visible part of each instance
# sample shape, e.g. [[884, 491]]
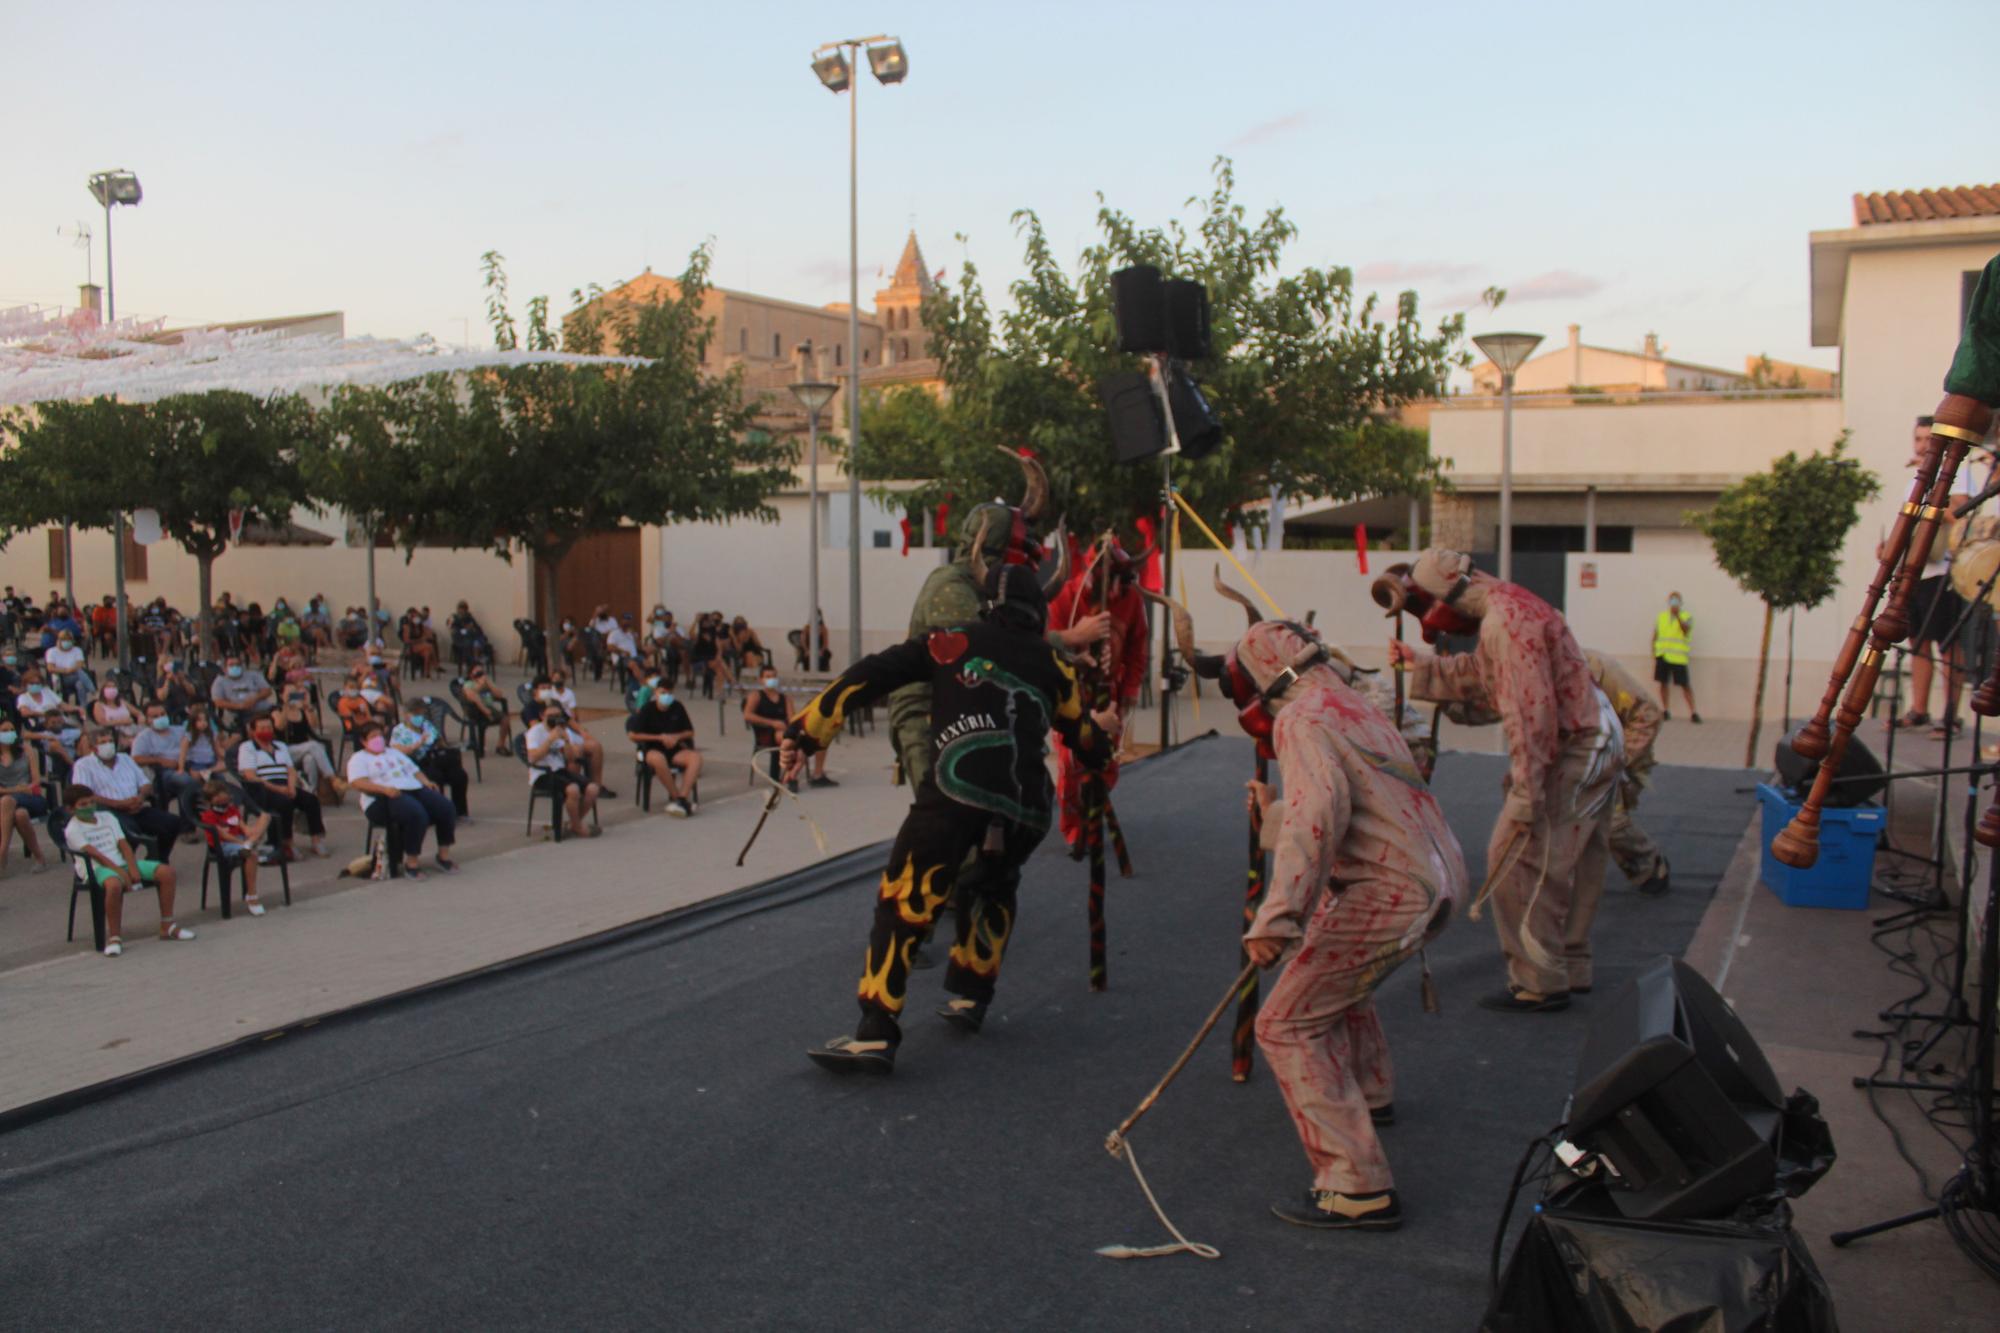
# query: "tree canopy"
[[1779, 533], [1306, 375]]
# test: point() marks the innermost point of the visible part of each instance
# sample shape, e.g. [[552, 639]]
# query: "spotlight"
[[888, 62], [835, 73]]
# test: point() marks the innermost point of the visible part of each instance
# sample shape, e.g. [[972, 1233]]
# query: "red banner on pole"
[[1361, 546]]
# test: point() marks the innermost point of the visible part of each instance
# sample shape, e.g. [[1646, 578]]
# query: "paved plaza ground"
[[753, 992]]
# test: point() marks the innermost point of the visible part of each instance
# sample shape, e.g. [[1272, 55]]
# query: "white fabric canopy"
[[44, 359]]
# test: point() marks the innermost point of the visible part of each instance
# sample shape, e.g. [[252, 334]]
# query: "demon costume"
[[1365, 871], [1121, 664], [997, 687], [1545, 860]]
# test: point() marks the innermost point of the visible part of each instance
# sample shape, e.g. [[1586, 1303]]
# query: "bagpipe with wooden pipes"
[[1972, 391]]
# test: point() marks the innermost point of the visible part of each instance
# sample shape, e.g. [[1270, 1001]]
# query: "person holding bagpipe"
[[1365, 871]]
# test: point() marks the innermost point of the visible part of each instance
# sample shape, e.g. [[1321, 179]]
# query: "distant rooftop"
[[1954, 201]]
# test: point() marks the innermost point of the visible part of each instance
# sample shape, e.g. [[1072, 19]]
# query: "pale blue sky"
[[1631, 168]]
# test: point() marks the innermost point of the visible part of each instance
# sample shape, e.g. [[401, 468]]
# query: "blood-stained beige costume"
[[1364, 871], [1565, 752], [1639, 716]]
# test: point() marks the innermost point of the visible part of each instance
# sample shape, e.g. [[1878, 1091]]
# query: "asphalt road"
[[631, 1136]]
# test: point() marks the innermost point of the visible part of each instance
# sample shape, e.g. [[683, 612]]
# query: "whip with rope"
[[778, 792], [1118, 1145]]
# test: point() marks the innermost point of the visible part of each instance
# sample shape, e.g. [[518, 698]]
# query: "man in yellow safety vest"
[[1672, 629]]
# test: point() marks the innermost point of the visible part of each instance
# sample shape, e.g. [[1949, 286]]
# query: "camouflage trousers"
[[1631, 846]]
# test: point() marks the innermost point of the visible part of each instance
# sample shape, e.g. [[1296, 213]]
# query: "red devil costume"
[[1111, 577], [1365, 871], [1545, 862]]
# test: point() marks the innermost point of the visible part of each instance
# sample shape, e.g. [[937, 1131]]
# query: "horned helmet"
[[1429, 589], [1003, 532]]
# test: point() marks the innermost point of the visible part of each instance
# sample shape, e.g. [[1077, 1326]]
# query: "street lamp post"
[[118, 186], [1507, 351], [813, 395], [834, 64]]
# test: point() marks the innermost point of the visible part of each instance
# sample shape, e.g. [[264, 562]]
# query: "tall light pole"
[[813, 395], [834, 64], [117, 186], [1507, 351]]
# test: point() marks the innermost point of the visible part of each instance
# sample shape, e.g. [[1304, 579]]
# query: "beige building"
[[1578, 365]]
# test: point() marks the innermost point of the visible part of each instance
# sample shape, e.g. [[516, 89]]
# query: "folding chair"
[[226, 870]]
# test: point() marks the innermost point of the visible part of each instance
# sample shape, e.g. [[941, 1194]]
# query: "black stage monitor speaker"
[[1672, 1091], [1139, 302], [1194, 421], [1138, 428], [1187, 319], [1858, 781]]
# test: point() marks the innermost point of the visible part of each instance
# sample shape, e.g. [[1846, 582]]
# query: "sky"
[[1632, 169]]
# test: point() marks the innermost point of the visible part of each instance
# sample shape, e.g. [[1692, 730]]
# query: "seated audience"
[[664, 735], [299, 728], [416, 737], [110, 711], [239, 694], [64, 663], [21, 799], [488, 705], [556, 758], [122, 788], [46, 719], [264, 763], [234, 840], [96, 836], [159, 748], [395, 795]]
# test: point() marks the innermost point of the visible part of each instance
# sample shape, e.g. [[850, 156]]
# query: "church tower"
[[900, 307]]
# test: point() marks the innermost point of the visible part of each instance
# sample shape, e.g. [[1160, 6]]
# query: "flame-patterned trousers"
[[928, 866]]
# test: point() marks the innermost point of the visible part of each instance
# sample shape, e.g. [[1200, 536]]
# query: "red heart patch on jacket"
[[947, 646]]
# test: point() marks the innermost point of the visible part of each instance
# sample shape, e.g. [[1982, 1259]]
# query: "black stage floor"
[[630, 1136]]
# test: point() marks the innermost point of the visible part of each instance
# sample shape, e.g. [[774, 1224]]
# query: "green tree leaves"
[[1306, 376], [1779, 533]]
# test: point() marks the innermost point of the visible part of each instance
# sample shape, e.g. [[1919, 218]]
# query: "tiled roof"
[[1956, 201]]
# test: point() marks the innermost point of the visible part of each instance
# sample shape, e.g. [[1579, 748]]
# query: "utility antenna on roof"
[[79, 234]]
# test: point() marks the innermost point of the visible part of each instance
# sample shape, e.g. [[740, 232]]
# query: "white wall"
[[496, 590], [1639, 443]]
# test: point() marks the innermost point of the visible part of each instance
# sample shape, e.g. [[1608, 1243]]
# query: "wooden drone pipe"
[[1962, 422], [1811, 740]]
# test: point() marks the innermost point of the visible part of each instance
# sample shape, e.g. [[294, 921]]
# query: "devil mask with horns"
[[1271, 658], [1430, 590], [1009, 593], [1003, 533]]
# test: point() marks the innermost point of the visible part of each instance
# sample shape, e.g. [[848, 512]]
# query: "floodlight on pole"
[[834, 64], [109, 188], [813, 396], [1507, 351]]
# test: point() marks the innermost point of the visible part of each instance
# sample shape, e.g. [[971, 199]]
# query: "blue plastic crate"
[[1846, 865]]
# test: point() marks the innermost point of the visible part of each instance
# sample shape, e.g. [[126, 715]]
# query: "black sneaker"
[[821, 781], [606, 793], [1658, 884], [921, 960], [1330, 1210], [1516, 1001], [1384, 1114], [846, 1055], [1695, 718], [963, 1014]]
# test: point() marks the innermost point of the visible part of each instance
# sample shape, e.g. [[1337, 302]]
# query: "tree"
[[194, 458], [1304, 374], [543, 454], [1779, 535]]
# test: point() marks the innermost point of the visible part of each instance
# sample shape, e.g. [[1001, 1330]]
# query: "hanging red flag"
[[1153, 577], [905, 522], [943, 510], [1361, 545]]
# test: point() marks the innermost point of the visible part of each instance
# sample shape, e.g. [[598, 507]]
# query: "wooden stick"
[[1093, 834], [769, 806], [1243, 1037], [1114, 1141], [1117, 838]]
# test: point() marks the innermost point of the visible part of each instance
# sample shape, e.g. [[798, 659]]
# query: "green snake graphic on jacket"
[[995, 693]]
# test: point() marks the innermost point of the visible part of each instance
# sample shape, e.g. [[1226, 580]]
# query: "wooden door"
[[601, 567]]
